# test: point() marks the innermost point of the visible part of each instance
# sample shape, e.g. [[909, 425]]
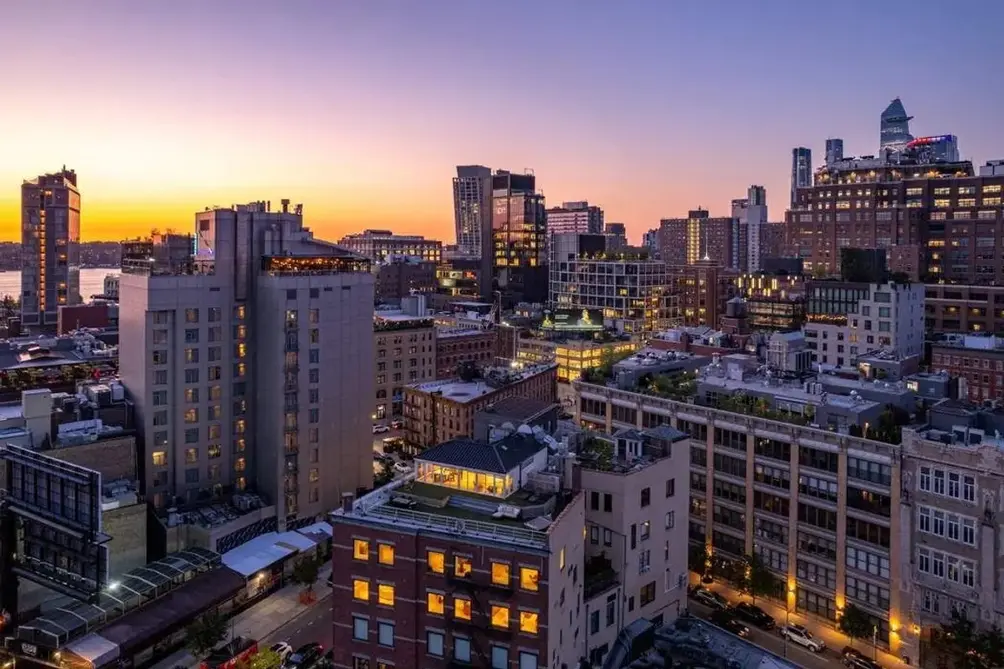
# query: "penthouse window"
[[482, 483]]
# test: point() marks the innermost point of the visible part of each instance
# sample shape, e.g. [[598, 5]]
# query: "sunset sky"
[[361, 109]]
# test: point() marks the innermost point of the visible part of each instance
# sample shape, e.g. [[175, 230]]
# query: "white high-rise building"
[[751, 212], [252, 369], [472, 209]]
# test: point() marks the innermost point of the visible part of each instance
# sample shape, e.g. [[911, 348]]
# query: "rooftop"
[[499, 457], [518, 409], [972, 342], [493, 378]]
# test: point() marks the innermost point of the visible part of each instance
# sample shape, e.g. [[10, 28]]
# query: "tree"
[[757, 578], [203, 634], [967, 646], [305, 572], [697, 559], [266, 659], [855, 623], [385, 476]]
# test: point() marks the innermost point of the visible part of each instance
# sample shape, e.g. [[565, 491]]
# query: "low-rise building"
[[440, 410], [476, 559], [976, 361], [636, 510], [405, 347], [378, 245], [457, 345], [506, 414], [572, 355], [960, 308], [400, 276]]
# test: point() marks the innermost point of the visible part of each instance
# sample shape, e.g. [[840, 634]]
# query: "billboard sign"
[[578, 320], [52, 524]]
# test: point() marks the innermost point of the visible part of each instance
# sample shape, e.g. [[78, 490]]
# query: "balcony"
[[599, 576]]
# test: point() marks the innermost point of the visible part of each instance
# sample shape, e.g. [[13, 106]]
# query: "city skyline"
[[348, 103]]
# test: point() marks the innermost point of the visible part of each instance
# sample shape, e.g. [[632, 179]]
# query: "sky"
[[361, 109]]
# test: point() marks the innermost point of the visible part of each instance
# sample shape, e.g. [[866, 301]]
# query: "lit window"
[[529, 578], [462, 566], [561, 558], [437, 562], [436, 603], [500, 616], [361, 549], [500, 573], [385, 594], [462, 608], [361, 589], [385, 554], [528, 622], [160, 458]]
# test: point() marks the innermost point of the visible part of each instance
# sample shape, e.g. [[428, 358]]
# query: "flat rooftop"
[[786, 390], [458, 390], [695, 642]]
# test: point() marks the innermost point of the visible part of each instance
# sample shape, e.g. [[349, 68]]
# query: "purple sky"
[[362, 108]]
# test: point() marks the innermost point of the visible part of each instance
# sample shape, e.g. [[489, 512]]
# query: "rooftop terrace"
[[494, 378]]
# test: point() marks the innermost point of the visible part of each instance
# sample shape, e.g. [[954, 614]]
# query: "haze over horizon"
[[361, 111]]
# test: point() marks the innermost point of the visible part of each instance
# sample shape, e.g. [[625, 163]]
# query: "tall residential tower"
[[50, 246], [472, 213], [801, 170], [252, 369]]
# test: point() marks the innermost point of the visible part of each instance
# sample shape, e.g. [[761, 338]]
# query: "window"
[[528, 622], [361, 589], [436, 561], [462, 566], [361, 549], [671, 520], [646, 497], [500, 573], [646, 530], [360, 628], [500, 657], [500, 616], [647, 594], [385, 594], [670, 487], [529, 578], [866, 561], [385, 554], [461, 608], [462, 649], [436, 603], [160, 458], [434, 643], [527, 660]]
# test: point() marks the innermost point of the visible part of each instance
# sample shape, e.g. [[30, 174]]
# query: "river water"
[[91, 282]]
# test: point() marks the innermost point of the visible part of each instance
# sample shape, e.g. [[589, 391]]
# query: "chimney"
[[347, 498], [285, 205]]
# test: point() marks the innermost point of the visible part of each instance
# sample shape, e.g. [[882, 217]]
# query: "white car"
[[283, 649], [402, 467], [378, 429], [803, 637]]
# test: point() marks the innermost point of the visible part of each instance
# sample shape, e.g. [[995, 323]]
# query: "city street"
[[772, 641], [313, 624]]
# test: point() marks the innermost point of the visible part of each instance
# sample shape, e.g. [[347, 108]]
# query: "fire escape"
[[481, 590]]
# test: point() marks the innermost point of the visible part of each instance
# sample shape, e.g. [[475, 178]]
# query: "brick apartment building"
[[961, 308], [455, 345], [440, 410], [703, 289], [684, 241], [976, 361], [941, 220]]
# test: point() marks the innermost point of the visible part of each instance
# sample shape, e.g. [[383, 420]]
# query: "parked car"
[[727, 621], [712, 599], [379, 429], [283, 649], [402, 467], [798, 634], [754, 614], [305, 655], [856, 659], [397, 424]]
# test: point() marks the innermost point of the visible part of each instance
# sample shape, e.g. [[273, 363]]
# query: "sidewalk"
[[263, 618], [834, 639]]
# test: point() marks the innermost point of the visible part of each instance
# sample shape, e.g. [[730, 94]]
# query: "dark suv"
[[305, 656], [753, 614], [855, 659]]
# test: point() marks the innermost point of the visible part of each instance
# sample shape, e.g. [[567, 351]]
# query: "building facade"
[[379, 245], [405, 353], [834, 150], [847, 320], [685, 241], [816, 506], [627, 287], [456, 345], [976, 361], [801, 171], [945, 218], [225, 366], [578, 217], [519, 238], [400, 277], [442, 410], [472, 207], [50, 246], [958, 308]]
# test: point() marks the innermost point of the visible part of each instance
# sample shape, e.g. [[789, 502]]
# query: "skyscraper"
[[519, 237], [50, 246], [752, 217], [472, 197], [894, 128], [252, 370], [801, 170], [834, 150]]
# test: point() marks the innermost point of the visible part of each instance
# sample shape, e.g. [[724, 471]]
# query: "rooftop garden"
[[759, 407], [680, 387]]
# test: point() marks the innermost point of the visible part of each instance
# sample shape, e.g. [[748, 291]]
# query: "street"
[[313, 624], [772, 641]]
